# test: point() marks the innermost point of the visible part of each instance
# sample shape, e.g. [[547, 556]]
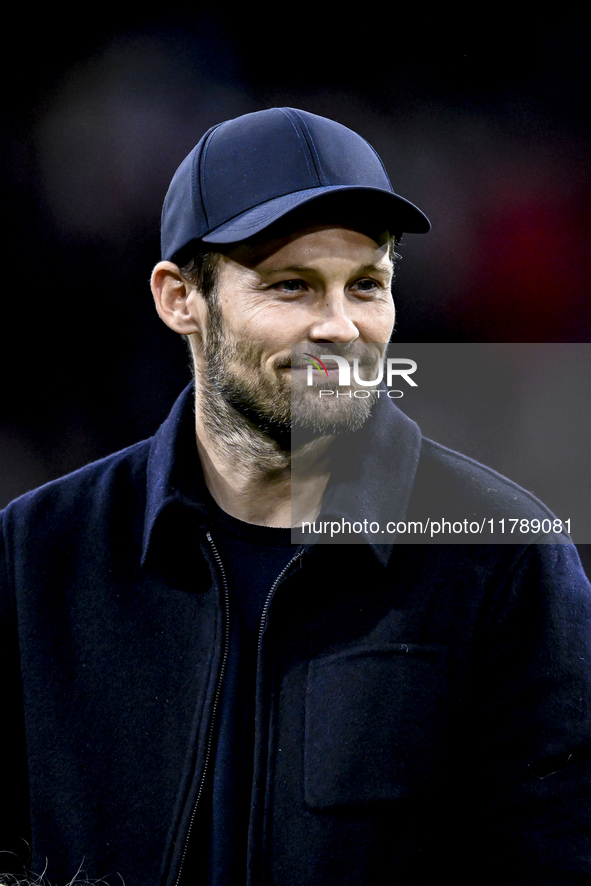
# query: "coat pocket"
[[376, 724]]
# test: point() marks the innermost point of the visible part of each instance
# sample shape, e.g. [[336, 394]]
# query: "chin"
[[323, 416]]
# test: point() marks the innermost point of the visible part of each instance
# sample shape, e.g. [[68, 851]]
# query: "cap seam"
[[381, 162], [304, 134], [201, 164]]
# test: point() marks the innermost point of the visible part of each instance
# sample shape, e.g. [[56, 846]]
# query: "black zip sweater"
[[421, 709]]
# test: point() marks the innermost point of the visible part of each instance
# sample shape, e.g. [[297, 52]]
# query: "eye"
[[290, 286], [366, 286]]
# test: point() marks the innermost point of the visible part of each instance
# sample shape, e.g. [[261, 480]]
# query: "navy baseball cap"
[[247, 173]]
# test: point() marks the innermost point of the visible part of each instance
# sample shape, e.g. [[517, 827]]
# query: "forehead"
[[314, 245]]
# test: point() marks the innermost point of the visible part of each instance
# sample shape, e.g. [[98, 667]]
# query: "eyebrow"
[[305, 269]]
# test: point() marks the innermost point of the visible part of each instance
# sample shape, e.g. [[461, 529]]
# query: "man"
[[192, 697]]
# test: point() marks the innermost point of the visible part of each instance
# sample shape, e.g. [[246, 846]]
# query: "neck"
[[248, 470]]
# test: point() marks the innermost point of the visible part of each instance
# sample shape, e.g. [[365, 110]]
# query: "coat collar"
[[371, 479]]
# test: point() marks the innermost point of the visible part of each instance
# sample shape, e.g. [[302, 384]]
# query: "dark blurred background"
[[483, 121]]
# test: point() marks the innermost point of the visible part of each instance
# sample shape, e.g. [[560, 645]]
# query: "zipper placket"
[[262, 624], [216, 701], [271, 594]]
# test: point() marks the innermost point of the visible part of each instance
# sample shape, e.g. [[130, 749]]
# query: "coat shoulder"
[[73, 498], [462, 487]]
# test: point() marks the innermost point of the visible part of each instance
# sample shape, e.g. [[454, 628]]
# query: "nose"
[[333, 322]]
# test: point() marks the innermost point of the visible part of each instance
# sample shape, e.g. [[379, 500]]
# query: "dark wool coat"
[[423, 710]]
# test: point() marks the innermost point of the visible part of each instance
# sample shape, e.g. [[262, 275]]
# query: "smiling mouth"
[[330, 370], [325, 361], [316, 363]]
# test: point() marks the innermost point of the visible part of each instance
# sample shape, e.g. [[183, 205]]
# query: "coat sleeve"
[[14, 805], [530, 736]]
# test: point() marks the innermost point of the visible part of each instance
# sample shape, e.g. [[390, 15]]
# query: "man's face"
[[322, 289]]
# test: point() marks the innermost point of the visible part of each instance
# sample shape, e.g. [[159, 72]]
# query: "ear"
[[177, 300]]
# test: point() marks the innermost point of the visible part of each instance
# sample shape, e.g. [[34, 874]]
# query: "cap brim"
[[399, 215]]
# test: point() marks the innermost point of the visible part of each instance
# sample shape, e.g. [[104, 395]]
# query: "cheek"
[[254, 319], [275, 326], [379, 326]]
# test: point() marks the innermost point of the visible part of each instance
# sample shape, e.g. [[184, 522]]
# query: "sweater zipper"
[[216, 701]]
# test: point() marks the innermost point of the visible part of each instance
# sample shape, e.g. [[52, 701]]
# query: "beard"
[[239, 396]]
